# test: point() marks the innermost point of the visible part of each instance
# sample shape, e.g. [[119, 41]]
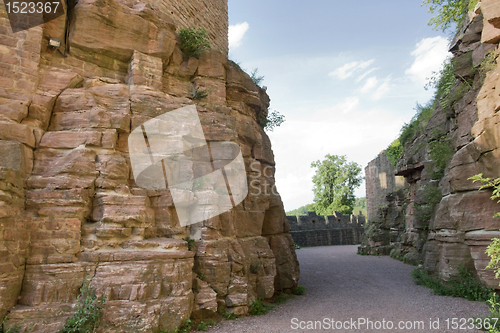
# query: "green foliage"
[[201, 276], [409, 131], [493, 250], [255, 77], [297, 246], [394, 152], [492, 322], [299, 290], [441, 152], [397, 255], [488, 63], [472, 4], [334, 183], [449, 13], [86, 318], [494, 184], [444, 81], [280, 298], [258, 308], [431, 197], [360, 206], [417, 124], [202, 326], [193, 41], [184, 328], [465, 285], [301, 210], [190, 243], [228, 315], [17, 328], [274, 119]]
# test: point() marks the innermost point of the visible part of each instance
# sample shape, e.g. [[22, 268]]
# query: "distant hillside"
[[301, 210], [360, 205]]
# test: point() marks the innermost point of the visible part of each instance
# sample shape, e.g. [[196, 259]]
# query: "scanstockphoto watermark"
[[355, 324], [204, 178], [262, 180]]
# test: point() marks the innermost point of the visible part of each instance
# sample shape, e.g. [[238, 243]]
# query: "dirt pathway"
[[347, 289]]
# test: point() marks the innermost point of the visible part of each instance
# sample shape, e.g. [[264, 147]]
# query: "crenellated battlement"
[[316, 230]]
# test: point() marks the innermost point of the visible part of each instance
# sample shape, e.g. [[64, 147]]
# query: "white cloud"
[[349, 105], [429, 53], [381, 91], [236, 33], [361, 77], [369, 85], [347, 128], [350, 68]]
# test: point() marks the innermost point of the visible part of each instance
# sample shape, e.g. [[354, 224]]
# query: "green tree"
[[449, 12], [334, 184]]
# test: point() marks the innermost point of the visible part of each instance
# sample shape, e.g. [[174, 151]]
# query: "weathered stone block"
[[247, 224], [17, 132], [16, 156], [117, 40], [491, 12]]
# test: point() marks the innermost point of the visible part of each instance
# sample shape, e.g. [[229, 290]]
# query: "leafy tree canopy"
[[334, 184], [449, 12]]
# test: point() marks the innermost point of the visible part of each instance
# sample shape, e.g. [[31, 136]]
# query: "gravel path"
[[342, 285]]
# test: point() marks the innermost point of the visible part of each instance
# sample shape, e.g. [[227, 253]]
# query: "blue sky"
[[346, 75]]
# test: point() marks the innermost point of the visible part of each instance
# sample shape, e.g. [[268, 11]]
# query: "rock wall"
[[318, 230], [456, 229], [70, 209]]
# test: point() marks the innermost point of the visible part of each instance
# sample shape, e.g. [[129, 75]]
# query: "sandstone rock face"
[[448, 221], [70, 208]]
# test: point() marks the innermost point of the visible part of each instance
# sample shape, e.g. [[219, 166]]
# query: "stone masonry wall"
[[386, 207], [317, 230], [70, 209], [381, 184], [209, 14]]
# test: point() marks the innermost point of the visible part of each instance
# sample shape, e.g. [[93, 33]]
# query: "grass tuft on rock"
[[258, 308]]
